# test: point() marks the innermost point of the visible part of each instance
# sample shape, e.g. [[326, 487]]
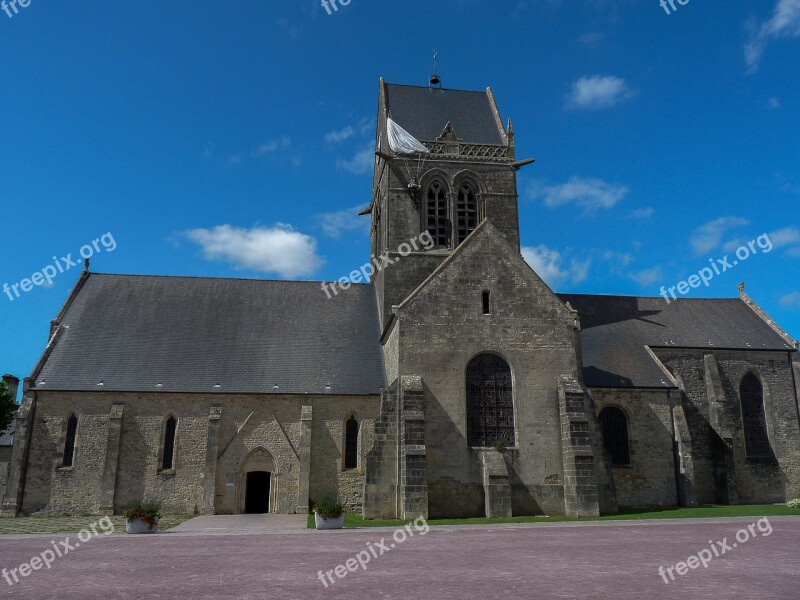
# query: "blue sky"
[[233, 139]]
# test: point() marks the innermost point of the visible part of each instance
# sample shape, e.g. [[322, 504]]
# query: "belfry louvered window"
[[436, 218], [754, 419], [490, 402], [615, 435], [466, 212]]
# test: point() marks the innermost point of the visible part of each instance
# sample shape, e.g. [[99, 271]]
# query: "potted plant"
[[329, 513], [142, 518]]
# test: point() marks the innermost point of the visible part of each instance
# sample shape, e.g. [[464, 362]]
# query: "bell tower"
[[444, 162]]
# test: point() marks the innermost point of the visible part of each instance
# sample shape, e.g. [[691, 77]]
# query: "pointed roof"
[[616, 331], [425, 112]]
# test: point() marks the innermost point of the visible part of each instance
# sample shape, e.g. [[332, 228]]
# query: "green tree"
[[7, 407]]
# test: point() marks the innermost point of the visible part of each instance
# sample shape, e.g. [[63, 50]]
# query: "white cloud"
[[618, 259], [591, 38], [785, 237], [780, 238], [292, 30], [793, 252], [336, 137], [647, 277], [785, 23], [643, 213], [588, 193], [598, 92], [334, 224], [791, 300], [549, 265], [773, 103], [272, 146], [279, 249], [707, 237], [361, 163]]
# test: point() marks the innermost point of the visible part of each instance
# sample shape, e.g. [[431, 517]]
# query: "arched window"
[[436, 217], [754, 419], [351, 444], [615, 435], [466, 212], [490, 402], [169, 443], [69, 441]]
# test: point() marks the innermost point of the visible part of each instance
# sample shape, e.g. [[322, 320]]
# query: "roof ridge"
[[627, 296], [425, 87], [255, 280]]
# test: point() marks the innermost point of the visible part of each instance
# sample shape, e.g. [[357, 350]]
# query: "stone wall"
[[268, 426], [3, 479], [754, 482], [443, 327], [650, 478]]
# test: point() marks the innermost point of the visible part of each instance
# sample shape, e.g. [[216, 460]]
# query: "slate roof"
[[424, 113], [7, 436], [616, 329], [133, 332], [189, 334]]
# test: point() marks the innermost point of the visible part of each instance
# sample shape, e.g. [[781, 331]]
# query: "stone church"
[[455, 384]]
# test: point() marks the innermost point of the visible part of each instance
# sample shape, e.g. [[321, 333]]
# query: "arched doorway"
[[257, 492], [258, 480]]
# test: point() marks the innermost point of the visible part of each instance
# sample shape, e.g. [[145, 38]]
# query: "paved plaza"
[[279, 559]]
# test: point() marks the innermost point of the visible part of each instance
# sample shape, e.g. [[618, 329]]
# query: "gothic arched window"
[[754, 419], [615, 435], [351, 444], [466, 211], [169, 443], [436, 212], [69, 441], [490, 402]]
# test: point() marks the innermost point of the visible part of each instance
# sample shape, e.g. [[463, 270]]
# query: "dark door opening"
[[257, 493]]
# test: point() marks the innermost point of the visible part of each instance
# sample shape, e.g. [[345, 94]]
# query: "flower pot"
[[139, 526], [334, 523]]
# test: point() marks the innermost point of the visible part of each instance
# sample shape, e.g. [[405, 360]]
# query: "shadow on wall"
[[131, 475], [460, 493]]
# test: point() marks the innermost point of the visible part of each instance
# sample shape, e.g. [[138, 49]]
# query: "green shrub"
[[329, 507]]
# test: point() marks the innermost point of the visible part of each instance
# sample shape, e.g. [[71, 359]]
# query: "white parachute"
[[402, 142]]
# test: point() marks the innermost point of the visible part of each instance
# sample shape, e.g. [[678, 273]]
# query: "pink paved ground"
[[616, 561]]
